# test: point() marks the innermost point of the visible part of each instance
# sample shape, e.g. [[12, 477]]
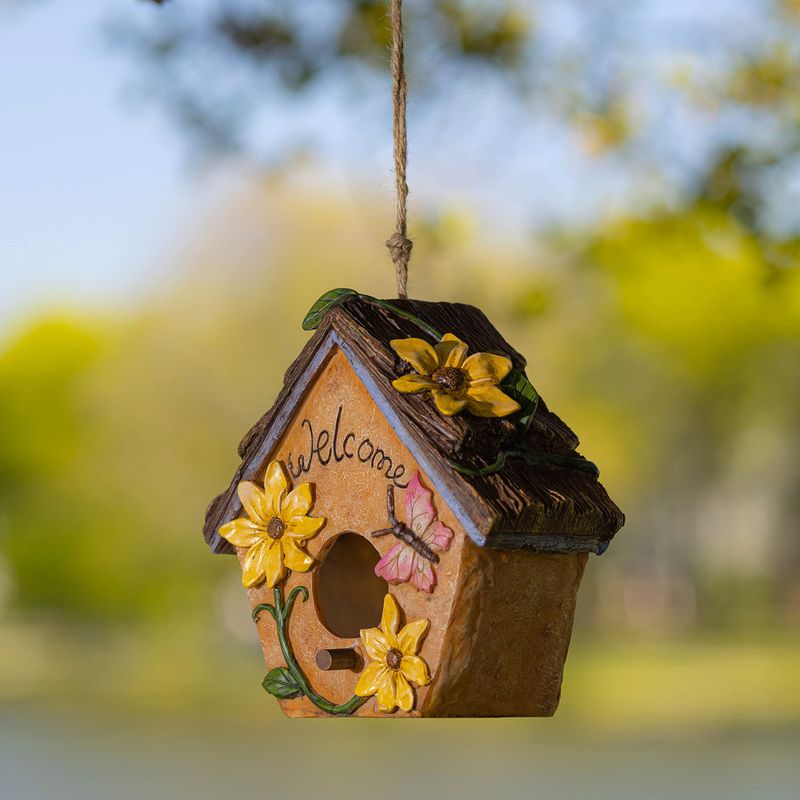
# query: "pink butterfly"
[[403, 563]]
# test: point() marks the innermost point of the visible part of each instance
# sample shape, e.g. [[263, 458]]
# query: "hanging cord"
[[398, 243]]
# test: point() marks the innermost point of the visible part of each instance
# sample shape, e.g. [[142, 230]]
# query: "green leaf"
[[517, 386], [280, 683], [324, 304]]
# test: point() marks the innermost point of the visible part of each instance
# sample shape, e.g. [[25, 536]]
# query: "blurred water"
[[67, 755]]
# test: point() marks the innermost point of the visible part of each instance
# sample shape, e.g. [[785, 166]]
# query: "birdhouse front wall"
[[339, 441]]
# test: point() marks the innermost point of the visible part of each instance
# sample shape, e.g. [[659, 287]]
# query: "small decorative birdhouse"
[[411, 520]]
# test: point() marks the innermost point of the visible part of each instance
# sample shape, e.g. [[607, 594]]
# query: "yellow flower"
[[393, 660], [274, 529], [455, 380]]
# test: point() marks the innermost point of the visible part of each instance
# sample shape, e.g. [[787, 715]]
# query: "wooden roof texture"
[[542, 507]]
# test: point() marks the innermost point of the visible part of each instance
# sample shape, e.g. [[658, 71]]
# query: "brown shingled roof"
[[543, 507]]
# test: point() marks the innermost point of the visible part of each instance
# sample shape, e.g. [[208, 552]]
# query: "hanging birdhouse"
[[411, 520]]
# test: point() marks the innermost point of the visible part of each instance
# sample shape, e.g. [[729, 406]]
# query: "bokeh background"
[[616, 184]]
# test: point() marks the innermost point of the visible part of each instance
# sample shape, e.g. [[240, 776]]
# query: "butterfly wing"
[[421, 516], [403, 564], [397, 565], [419, 508], [438, 536], [423, 575]]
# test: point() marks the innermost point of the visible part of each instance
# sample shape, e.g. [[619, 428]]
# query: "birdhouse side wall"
[[508, 636]]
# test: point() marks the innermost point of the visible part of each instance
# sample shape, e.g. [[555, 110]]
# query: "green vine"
[[531, 457], [516, 385], [289, 681]]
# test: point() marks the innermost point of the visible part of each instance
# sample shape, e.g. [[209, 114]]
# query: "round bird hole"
[[349, 595]]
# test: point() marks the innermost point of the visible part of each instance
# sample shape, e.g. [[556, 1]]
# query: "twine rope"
[[398, 243]]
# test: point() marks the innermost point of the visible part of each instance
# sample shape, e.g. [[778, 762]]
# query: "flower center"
[[393, 658], [451, 378], [275, 528]]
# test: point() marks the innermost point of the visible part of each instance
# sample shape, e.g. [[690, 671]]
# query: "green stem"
[[532, 457], [405, 315], [280, 613]]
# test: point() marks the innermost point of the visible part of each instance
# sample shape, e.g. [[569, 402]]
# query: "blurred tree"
[[213, 66], [698, 109]]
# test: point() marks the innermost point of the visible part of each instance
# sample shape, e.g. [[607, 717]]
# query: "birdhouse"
[[411, 520]]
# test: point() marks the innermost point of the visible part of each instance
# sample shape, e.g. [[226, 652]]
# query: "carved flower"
[[275, 528], [394, 663], [455, 380]]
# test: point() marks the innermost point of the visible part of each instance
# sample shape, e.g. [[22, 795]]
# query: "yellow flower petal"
[[274, 570], [489, 401], [390, 619], [387, 691], [447, 404], [487, 367], [418, 353], [275, 486], [404, 694], [254, 502], [408, 640], [416, 670], [293, 557], [298, 503], [370, 679], [303, 527], [451, 351], [254, 565], [412, 384], [375, 644], [242, 532]]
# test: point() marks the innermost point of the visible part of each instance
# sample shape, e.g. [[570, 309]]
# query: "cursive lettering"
[[325, 445]]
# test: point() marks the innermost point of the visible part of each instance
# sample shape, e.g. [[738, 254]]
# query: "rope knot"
[[399, 246]]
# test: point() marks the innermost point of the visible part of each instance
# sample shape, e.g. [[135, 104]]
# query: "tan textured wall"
[[507, 641]]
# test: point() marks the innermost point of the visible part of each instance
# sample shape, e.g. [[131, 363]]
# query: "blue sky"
[[91, 187]]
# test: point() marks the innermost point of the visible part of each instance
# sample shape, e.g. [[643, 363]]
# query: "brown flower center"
[[275, 528], [450, 378], [393, 658]]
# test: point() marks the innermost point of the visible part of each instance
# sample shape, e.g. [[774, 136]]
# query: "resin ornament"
[[412, 521]]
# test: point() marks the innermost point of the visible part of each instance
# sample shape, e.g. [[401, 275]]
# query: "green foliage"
[[697, 284], [40, 405], [496, 34]]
